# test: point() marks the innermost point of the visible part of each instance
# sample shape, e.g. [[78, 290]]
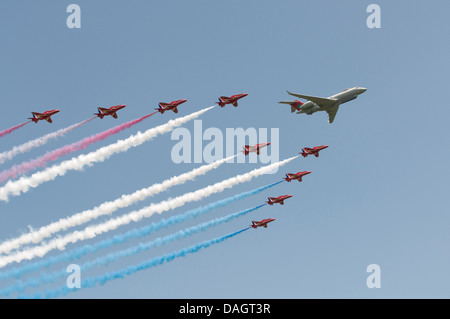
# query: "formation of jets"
[[314, 104], [289, 177], [162, 107], [330, 104]]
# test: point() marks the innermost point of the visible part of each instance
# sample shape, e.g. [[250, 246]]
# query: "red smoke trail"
[[54, 155], [5, 132]]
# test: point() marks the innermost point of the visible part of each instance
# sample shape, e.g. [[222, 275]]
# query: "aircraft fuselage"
[[341, 98]]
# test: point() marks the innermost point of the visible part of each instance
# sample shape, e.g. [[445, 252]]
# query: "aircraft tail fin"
[[160, 109], [303, 153]]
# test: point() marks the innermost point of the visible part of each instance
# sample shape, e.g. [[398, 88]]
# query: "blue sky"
[[378, 194]]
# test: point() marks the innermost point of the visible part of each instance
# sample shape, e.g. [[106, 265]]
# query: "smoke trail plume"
[[136, 216], [25, 147], [130, 270], [107, 207], [112, 257], [67, 149], [131, 234], [8, 131], [23, 184]]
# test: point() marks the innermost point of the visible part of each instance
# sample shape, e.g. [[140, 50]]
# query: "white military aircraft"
[[329, 104]]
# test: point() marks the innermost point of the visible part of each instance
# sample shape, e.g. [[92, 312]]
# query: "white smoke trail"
[[23, 184], [136, 216], [107, 208], [28, 146]]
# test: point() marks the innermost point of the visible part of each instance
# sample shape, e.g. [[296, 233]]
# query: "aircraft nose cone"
[[363, 89]]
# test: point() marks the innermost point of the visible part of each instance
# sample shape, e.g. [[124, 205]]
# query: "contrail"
[[112, 257], [79, 252], [23, 184], [107, 207], [136, 216], [25, 147], [130, 270], [42, 161], [8, 131]]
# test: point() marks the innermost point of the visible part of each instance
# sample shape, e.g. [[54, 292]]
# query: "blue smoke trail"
[[102, 279], [134, 233], [105, 260]]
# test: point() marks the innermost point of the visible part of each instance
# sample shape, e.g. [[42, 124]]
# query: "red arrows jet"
[[295, 105], [263, 223], [279, 199], [255, 148], [102, 112], [313, 151], [43, 116], [169, 106], [297, 176], [231, 100]]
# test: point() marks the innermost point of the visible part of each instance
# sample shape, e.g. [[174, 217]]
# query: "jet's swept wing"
[[320, 101], [332, 113]]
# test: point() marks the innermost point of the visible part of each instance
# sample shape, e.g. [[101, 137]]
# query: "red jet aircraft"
[[313, 151], [43, 116], [297, 176], [169, 106], [231, 100], [102, 112], [263, 223], [279, 199], [295, 105], [255, 148]]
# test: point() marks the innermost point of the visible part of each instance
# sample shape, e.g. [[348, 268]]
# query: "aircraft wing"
[[320, 101], [332, 113]]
